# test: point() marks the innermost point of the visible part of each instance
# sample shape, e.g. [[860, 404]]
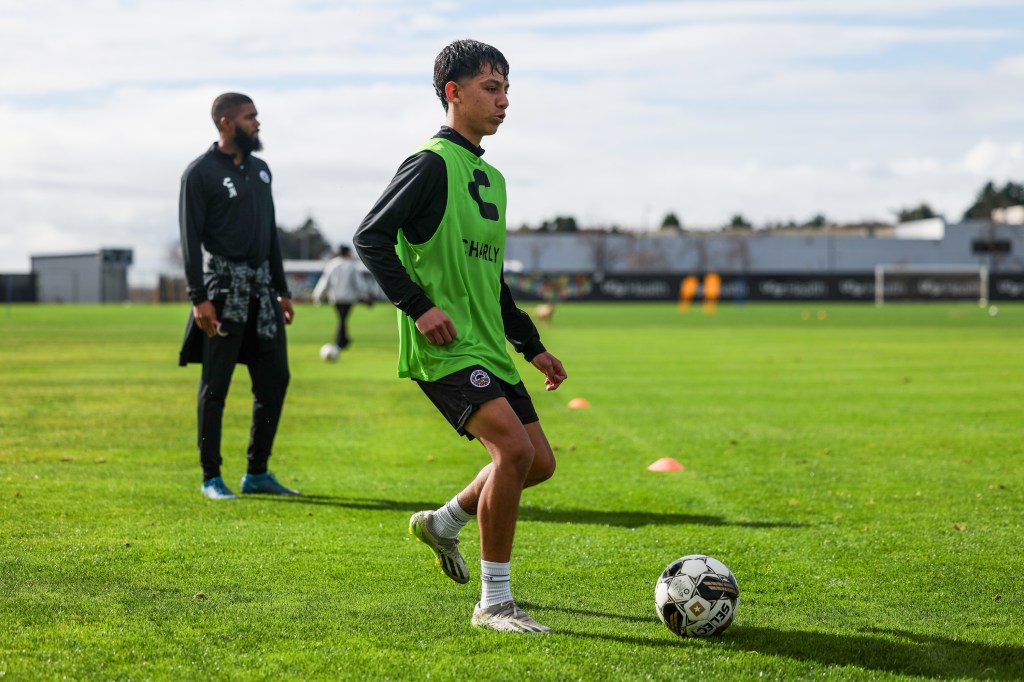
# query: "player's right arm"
[[191, 220], [414, 203]]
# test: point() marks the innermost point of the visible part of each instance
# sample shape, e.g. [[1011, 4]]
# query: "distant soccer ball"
[[697, 596], [329, 352]]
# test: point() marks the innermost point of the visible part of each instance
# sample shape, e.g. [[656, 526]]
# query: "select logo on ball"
[[696, 596]]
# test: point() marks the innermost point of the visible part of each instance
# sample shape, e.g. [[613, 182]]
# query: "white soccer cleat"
[[506, 617]]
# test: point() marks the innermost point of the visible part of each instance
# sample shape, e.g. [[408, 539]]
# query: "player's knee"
[[282, 377], [544, 469], [212, 395], [518, 458], [272, 385]]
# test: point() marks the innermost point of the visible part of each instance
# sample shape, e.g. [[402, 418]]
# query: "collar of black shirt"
[[451, 135], [230, 158]]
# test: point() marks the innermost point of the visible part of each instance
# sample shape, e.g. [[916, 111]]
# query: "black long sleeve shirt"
[[415, 203], [227, 210]]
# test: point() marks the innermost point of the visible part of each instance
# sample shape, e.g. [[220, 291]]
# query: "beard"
[[246, 142]]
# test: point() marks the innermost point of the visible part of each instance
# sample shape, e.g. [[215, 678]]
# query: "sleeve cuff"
[[416, 307], [532, 349]]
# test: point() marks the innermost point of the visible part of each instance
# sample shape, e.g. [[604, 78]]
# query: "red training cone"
[[577, 403], [666, 464]]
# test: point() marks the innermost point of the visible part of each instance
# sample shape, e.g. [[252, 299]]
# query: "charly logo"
[[488, 210], [232, 192], [480, 378], [265, 176]]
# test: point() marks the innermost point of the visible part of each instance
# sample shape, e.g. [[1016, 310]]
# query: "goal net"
[[931, 283]]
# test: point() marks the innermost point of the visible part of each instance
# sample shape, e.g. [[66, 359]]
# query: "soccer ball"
[[329, 352], [696, 596]]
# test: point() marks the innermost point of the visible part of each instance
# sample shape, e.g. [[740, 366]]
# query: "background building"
[[100, 277], [18, 287], [821, 264]]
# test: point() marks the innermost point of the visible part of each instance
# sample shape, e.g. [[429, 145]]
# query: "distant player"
[[435, 241], [343, 287]]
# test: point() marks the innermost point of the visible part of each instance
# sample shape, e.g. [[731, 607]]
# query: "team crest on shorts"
[[480, 378]]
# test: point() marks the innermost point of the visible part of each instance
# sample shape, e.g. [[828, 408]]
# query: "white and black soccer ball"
[[329, 352], [697, 596]]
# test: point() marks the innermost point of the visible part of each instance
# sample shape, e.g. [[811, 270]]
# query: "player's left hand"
[[287, 309], [551, 367]]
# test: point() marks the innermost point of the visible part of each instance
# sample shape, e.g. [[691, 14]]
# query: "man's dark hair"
[[465, 58], [226, 105], [344, 250]]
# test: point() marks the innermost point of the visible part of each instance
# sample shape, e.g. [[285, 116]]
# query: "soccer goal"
[[896, 282]]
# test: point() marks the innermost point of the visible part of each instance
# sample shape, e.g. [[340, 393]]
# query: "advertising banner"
[[761, 287]]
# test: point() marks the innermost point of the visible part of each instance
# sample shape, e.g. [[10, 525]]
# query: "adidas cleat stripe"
[[446, 550]]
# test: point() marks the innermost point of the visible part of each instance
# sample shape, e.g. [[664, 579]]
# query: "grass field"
[[861, 475]]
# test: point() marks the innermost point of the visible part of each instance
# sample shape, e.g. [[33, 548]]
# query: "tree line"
[[989, 198]]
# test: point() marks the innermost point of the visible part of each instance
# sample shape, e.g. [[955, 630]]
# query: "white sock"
[[494, 583], [449, 519]]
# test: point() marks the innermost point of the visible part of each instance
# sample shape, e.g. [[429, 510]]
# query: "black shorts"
[[461, 393]]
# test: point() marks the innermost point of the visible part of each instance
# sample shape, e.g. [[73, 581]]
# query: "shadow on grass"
[[364, 503], [896, 651], [587, 613], [893, 651], [624, 519], [637, 519]]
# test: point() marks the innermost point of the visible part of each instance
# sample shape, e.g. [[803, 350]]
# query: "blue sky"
[[620, 111]]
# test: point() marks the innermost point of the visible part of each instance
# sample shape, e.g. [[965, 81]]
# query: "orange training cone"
[[666, 464], [577, 403]]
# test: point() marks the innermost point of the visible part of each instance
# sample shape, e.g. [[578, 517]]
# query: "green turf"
[[860, 474]]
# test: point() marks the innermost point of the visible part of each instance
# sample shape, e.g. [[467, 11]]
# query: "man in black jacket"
[[240, 299]]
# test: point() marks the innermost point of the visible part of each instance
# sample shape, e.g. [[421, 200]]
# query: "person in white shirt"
[[344, 287]]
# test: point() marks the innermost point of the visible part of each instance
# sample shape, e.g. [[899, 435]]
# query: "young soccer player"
[[435, 241]]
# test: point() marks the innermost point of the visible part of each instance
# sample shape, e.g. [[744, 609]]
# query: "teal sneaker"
[[215, 489], [446, 549], [265, 483]]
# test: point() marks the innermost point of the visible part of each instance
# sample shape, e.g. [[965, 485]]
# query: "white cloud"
[[989, 159], [619, 112], [1011, 66]]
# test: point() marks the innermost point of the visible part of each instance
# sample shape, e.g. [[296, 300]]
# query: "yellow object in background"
[[712, 289], [687, 290]]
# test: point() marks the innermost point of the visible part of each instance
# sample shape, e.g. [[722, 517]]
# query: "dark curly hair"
[[465, 58]]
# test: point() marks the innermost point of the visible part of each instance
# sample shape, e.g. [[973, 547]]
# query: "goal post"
[[899, 282]]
